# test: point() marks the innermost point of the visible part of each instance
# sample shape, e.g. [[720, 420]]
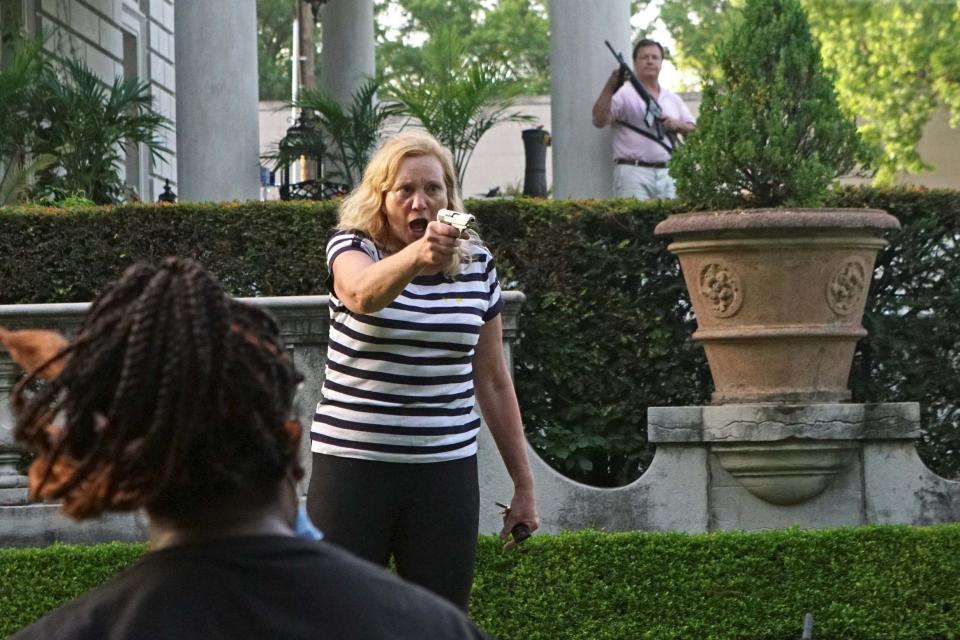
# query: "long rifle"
[[654, 115]]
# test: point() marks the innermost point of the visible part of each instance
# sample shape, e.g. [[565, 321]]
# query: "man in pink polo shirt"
[[640, 156]]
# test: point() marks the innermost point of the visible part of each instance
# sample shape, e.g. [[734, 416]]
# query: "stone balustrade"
[[749, 466]]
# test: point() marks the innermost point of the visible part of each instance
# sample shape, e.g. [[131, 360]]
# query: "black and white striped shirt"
[[399, 382]]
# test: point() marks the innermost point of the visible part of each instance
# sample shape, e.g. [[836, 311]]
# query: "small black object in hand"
[[520, 533]]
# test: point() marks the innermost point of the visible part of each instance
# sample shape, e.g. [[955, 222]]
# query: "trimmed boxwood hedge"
[[871, 583], [605, 331], [255, 248], [35, 581]]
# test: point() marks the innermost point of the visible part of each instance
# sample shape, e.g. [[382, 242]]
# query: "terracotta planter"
[[779, 296]]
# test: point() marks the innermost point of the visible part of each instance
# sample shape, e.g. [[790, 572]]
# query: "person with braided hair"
[[175, 399]]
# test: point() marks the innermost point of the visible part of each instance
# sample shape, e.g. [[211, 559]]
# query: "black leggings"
[[425, 514]]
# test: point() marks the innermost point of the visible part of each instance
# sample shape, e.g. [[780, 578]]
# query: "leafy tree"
[[697, 27], [514, 34], [457, 99], [275, 47], [770, 126], [894, 61]]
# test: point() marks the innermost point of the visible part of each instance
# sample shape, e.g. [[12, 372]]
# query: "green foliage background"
[[64, 131], [512, 34], [870, 583], [894, 62], [456, 97], [606, 325], [509, 34], [769, 126]]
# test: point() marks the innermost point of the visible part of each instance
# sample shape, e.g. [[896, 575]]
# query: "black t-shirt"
[[255, 587]]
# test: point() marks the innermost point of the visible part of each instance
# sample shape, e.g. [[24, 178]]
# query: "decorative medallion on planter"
[[720, 286], [847, 289]]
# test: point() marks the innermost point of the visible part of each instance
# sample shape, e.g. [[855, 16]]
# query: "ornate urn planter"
[[779, 296]]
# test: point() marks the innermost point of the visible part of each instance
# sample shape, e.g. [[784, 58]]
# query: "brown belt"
[[641, 163]]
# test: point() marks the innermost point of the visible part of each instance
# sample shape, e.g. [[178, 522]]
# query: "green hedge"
[[871, 583], [256, 249], [605, 331], [912, 351], [35, 581]]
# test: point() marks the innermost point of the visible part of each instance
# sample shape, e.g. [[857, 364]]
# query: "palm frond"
[[88, 125], [15, 181], [459, 98], [347, 134]]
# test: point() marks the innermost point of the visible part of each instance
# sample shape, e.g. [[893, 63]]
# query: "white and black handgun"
[[461, 221]]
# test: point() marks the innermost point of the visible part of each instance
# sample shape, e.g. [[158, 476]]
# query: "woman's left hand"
[[498, 404], [522, 510]]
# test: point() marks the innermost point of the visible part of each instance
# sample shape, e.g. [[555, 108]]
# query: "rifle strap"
[[646, 134]]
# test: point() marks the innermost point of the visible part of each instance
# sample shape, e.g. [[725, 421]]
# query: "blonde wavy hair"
[[363, 210]]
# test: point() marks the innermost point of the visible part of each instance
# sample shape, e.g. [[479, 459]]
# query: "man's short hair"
[[647, 42]]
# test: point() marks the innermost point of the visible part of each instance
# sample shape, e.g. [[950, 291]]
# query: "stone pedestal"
[[813, 465]]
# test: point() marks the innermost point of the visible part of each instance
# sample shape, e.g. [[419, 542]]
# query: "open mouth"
[[419, 225]]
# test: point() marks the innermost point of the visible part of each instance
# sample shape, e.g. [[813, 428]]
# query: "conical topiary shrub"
[[770, 129]]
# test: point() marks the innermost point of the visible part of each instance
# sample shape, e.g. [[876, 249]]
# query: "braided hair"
[[174, 397]]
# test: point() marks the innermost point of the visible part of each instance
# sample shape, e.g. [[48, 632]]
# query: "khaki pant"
[[642, 183]]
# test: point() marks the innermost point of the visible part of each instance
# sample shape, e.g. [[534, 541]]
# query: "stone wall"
[[838, 465]]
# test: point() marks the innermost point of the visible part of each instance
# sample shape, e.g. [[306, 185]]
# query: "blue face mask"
[[304, 528]]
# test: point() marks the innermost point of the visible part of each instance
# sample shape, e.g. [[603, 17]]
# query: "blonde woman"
[[415, 344]]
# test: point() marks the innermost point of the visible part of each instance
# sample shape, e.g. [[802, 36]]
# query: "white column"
[[218, 148], [347, 55], [579, 65]]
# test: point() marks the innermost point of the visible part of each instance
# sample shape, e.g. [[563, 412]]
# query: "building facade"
[[115, 38]]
